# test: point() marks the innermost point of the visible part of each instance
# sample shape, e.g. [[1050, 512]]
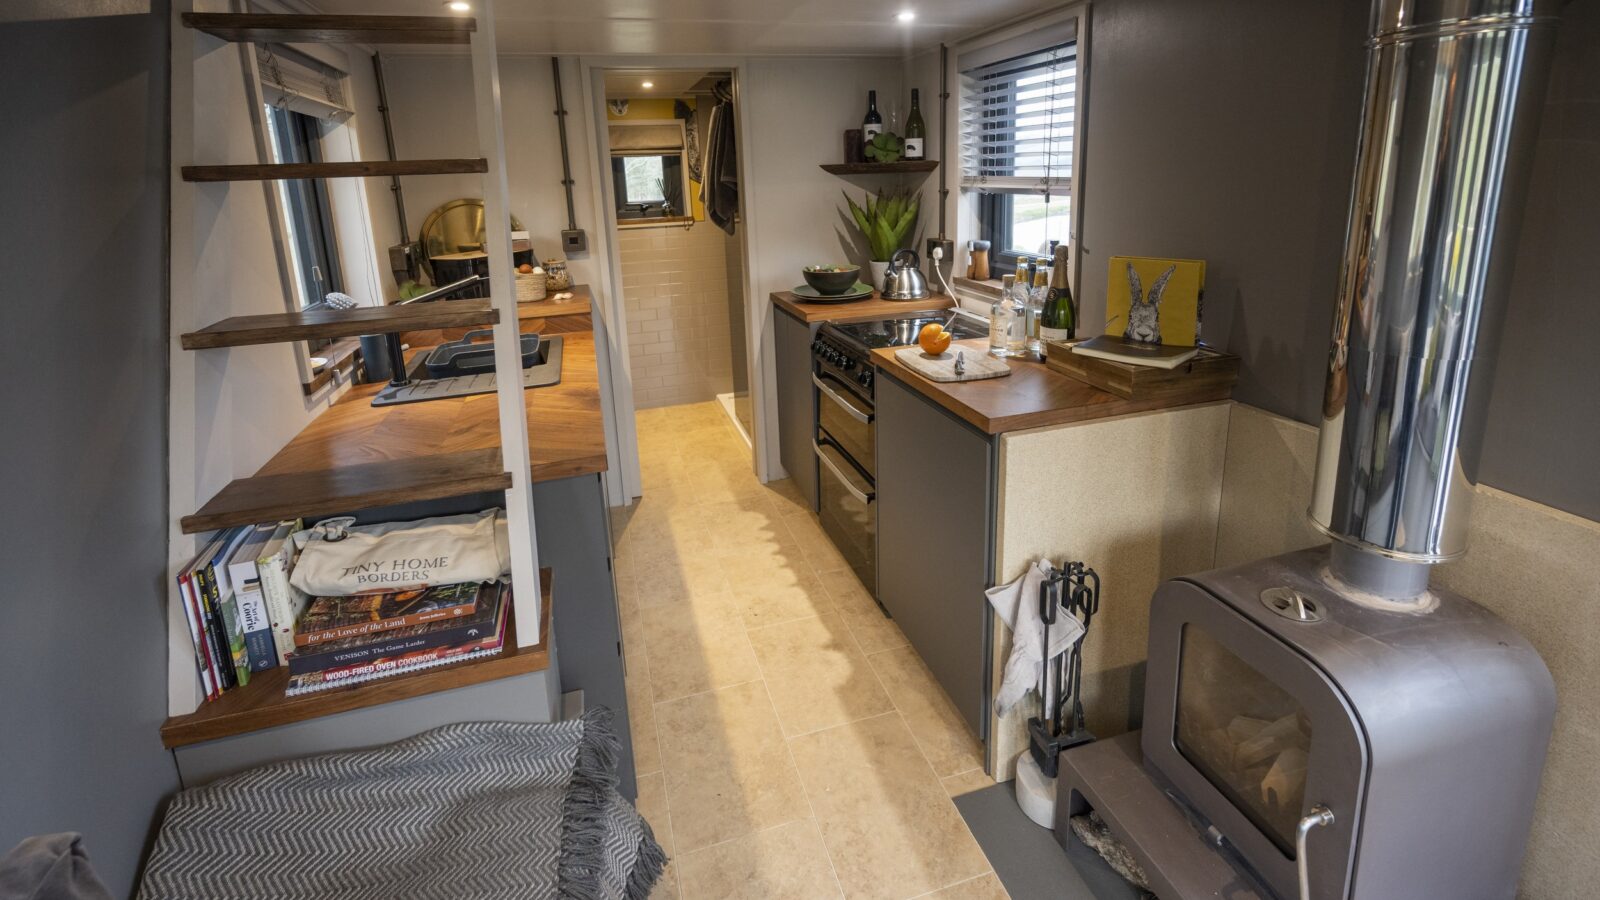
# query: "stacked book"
[[239, 604], [349, 640], [245, 617]]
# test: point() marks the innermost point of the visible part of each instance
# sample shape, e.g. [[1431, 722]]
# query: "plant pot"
[[878, 270]]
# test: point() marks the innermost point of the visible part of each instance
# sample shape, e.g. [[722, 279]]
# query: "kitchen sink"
[[544, 371]]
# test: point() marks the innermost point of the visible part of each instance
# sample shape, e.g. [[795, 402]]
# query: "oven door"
[[846, 417], [847, 508]]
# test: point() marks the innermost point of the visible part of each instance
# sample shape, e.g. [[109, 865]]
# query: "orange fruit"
[[933, 339]]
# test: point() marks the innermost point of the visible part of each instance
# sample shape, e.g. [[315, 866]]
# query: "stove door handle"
[[1319, 817], [858, 415], [844, 481]]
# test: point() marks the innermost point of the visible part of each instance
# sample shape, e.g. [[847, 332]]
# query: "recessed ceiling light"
[[905, 15], [647, 85], [458, 6]]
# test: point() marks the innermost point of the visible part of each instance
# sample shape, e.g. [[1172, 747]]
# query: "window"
[[648, 185], [1018, 118], [311, 244]]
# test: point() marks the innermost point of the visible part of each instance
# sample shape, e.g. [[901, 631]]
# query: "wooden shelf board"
[[901, 167], [271, 498], [262, 704], [282, 29], [240, 331], [364, 169]]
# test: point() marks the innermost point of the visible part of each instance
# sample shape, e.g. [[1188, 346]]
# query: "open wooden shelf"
[[304, 29], [240, 331], [900, 167], [276, 171], [262, 704], [273, 498]]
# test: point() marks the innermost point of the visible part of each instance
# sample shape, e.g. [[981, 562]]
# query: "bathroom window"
[[648, 185], [1018, 126]]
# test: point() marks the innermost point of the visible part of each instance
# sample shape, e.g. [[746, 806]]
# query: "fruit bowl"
[[831, 279]]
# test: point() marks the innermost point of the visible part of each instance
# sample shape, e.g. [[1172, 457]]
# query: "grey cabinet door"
[[791, 340], [935, 534]]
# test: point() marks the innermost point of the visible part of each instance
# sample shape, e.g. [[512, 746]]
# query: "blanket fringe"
[[648, 868], [594, 777]]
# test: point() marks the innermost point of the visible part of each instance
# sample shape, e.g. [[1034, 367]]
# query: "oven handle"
[[858, 415], [816, 447]]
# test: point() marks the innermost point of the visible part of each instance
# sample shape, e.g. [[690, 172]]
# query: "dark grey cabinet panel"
[[935, 537], [574, 533], [791, 340]]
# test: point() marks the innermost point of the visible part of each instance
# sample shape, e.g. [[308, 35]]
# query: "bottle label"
[[870, 130], [913, 148], [1055, 334]]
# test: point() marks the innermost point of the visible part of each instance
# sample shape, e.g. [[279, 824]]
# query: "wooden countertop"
[[1032, 396], [856, 310], [565, 429]]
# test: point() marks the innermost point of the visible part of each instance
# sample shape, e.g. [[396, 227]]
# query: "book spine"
[[233, 633], [202, 658], [275, 590], [353, 675], [306, 662], [258, 644], [377, 626], [206, 588]]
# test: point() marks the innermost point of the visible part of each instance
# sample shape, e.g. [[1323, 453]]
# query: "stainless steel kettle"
[[904, 280]]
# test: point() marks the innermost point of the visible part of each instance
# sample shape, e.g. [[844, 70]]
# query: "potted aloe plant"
[[886, 222]]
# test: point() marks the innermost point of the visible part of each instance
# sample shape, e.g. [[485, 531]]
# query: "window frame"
[[312, 237], [976, 210]]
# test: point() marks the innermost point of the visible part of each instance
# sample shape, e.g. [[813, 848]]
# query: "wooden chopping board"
[[943, 367]]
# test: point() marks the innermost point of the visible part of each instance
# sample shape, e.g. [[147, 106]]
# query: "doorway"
[[676, 240]]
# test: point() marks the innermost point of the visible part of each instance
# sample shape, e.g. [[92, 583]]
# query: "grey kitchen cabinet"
[[791, 340], [574, 533], [936, 515]]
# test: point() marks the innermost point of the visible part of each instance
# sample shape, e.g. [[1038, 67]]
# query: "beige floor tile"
[[667, 887], [652, 805], [940, 731], [783, 863], [697, 645], [873, 630], [984, 887], [890, 828], [815, 544], [728, 771], [967, 782], [771, 594], [817, 676]]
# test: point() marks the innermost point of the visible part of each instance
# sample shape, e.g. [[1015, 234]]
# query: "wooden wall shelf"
[[261, 703], [304, 29], [276, 171], [240, 331], [272, 498], [901, 167]]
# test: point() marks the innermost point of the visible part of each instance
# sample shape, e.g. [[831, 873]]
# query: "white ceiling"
[[733, 27], [666, 82]]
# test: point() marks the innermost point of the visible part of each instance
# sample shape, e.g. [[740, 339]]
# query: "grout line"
[[805, 792]]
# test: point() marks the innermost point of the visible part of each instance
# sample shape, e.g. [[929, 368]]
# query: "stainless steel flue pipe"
[[1453, 93]]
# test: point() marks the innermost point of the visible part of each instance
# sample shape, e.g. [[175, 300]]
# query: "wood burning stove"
[[1330, 726]]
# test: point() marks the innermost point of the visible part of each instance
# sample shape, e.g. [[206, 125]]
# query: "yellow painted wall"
[[660, 108]]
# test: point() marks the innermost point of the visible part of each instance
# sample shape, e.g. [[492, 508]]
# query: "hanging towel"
[[1017, 604], [720, 190]]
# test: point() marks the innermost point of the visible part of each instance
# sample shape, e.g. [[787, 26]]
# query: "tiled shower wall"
[[675, 288]]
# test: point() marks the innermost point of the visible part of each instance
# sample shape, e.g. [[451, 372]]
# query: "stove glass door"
[[847, 419], [847, 509]]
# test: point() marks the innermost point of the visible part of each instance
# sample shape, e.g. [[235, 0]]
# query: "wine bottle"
[[872, 125], [1060, 321], [916, 130]]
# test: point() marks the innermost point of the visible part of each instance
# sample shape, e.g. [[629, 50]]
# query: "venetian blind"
[[301, 84], [1017, 122]]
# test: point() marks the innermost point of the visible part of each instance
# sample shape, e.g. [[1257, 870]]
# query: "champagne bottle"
[[872, 125], [1060, 321], [916, 130]]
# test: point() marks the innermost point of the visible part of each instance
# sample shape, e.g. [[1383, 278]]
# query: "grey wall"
[[1226, 131], [83, 535]]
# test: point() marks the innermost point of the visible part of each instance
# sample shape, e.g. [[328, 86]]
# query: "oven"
[[843, 439]]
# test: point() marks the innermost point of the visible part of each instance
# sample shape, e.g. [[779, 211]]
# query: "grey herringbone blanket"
[[486, 809]]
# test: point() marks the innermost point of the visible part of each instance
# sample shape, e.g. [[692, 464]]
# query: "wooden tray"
[[1210, 375]]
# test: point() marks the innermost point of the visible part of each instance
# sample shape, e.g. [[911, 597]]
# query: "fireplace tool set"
[[1072, 591]]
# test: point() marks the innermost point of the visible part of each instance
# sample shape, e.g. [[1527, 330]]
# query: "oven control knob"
[[847, 363], [865, 378]]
